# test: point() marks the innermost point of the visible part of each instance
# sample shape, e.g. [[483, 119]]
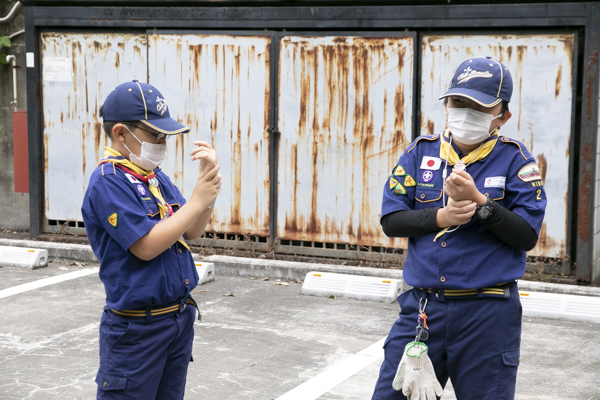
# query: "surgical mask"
[[469, 126], [151, 155]]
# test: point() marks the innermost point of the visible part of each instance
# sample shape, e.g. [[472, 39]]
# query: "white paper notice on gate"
[[58, 69]]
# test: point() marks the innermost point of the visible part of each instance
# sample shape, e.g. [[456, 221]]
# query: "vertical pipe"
[[14, 65]]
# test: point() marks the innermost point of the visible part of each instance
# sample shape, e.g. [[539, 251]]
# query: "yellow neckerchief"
[[113, 156], [474, 156]]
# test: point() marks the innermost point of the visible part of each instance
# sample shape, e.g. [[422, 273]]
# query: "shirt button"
[[104, 384], [442, 279], [180, 251], [187, 281], [422, 196], [443, 244]]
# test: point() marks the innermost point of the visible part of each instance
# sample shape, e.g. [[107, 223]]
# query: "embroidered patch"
[[161, 106], [530, 172], [431, 163], [147, 198], [427, 176], [399, 189], [393, 182], [425, 184], [399, 171], [470, 74], [112, 219], [132, 178], [409, 181], [141, 189], [495, 181], [535, 184]]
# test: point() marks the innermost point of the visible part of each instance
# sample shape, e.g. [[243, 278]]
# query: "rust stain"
[[558, 80], [117, 60], [98, 136], [121, 45], [585, 196], [521, 51], [543, 164], [590, 84], [84, 129]]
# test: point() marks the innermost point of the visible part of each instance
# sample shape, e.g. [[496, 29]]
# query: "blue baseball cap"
[[137, 101], [482, 79]]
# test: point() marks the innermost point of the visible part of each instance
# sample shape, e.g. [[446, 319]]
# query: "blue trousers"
[[474, 342], [145, 358]]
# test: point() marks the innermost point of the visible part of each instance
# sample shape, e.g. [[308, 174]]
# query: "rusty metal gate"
[[345, 106], [344, 110], [542, 104], [79, 71]]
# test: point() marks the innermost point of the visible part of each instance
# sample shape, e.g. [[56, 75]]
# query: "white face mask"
[[151, 155], [469, 126]]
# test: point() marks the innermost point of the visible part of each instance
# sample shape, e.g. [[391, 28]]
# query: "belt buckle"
[[183, 305]]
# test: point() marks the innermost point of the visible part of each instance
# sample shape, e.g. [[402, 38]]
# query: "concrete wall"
[[14, 207]]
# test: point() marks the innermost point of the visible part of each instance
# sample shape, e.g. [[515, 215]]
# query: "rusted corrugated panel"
[[73, 137], [345, 108], [218, 85], [542, 71]]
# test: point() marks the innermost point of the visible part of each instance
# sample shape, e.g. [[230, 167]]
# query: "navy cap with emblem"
[[138, 101], [482, 79]]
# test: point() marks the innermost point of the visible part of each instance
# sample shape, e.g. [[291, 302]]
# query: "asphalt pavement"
[[267, 341]]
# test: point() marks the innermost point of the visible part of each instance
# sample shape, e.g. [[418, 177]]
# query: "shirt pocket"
[[496, 194], [427, 198]]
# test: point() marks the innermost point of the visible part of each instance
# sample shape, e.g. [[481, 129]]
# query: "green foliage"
[[4, 42]]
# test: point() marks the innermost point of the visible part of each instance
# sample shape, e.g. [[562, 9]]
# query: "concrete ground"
[[260, 344]]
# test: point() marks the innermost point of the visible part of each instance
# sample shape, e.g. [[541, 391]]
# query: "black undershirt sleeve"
[[508, 226]]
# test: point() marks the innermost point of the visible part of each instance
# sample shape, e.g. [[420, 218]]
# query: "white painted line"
[[47, 281], [338, 373]]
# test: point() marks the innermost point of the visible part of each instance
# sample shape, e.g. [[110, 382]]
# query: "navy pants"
[[474, 342], [145, 358]]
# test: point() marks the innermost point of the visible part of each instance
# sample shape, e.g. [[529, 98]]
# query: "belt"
[[178, 306], [502, 290]]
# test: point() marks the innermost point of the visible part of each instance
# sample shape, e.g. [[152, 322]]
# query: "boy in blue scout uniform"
[[471, 203], [138, 224]]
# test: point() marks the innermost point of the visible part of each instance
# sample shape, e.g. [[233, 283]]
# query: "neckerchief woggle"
[[113, 156], [447, 151]]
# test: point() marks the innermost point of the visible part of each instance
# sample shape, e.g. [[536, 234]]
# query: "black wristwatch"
[[485, 210]]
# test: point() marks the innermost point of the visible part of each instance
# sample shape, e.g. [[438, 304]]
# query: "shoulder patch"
[[112, 219], [530, 172], [399, 171], [428, 138], [393, 182], [409, 181], [399, 190]]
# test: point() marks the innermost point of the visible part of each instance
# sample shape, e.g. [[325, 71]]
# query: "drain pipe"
[[14, 65], [12, 12]]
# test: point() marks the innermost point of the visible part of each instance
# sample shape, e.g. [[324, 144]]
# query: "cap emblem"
[[469, 73], [161, 106]]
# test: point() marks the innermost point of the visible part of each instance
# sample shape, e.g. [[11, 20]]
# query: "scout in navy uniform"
[[471, 202], [138, 224]]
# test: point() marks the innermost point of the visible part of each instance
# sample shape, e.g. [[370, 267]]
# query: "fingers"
[[210, 175], [201, 144]]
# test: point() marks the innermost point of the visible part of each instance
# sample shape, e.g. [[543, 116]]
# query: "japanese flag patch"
[[431, 163], [530, 172], [132, 178]]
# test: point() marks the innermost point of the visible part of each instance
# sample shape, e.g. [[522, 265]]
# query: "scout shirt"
[[118, 209], [471, 257]]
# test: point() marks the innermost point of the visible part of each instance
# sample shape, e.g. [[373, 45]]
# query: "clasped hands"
[[464, 197]]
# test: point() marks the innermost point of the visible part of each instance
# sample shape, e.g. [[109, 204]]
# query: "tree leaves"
[[4, 41], [3, 58]]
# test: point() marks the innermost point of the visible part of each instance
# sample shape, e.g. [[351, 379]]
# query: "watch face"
[[484, 212]]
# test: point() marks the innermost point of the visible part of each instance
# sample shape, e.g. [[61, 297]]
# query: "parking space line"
[[47, 281], [338, 373]]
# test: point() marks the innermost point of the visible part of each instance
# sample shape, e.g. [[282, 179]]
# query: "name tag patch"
[[431, 163], [495, 182]]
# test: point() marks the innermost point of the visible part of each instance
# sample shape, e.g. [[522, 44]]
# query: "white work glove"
[[415, 375]]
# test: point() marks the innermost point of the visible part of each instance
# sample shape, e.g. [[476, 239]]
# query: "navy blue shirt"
[[118, 209], [471, 257]]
